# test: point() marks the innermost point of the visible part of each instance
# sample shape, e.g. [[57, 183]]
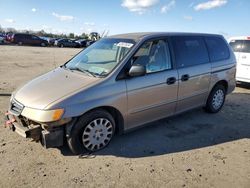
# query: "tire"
[[61, 45], [43, 44], [216, 99], [82, 135], [20, 43]]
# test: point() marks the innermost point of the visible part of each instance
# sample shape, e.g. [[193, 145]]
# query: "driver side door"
[[154, 95]]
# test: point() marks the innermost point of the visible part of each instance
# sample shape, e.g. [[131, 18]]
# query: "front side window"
[[34, 37], [154, 55], [102, 57], [190, 50]]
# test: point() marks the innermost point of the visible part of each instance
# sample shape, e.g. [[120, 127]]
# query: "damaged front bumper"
[[49, 135]]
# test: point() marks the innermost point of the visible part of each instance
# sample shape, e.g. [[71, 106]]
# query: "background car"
[[90, 42], [83, 42], [28, 39], [2, 39], [66, 43], [52, 41], [241, 48], [9, 37]]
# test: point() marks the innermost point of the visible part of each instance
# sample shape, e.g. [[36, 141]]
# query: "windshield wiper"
[[89, 72], [84, 71]]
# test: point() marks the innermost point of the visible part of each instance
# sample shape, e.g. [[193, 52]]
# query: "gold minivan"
[[120, 83]]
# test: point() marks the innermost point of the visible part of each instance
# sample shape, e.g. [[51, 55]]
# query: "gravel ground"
[[194, 149]]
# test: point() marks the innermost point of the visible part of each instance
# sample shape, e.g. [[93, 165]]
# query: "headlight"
[[42, 115]]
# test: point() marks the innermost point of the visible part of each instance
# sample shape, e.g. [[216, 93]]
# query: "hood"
[[48, 88]]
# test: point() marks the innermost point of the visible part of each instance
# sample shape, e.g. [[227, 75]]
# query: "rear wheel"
[[216, 99], [20, 43], [61, 45], [92, 132]]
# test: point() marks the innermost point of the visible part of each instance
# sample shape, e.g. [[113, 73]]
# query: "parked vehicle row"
[[29, 39]]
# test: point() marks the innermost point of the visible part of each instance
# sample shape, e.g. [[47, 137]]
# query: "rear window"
[[217, 48], [246, 46], [236, 45], [190, 50], [240, 45]]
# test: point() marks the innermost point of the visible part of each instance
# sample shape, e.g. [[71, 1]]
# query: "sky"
[[227, 17]]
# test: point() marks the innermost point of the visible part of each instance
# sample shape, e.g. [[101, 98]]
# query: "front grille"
[[16, 107]]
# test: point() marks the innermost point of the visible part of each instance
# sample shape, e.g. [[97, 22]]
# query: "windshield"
[[101, 58]]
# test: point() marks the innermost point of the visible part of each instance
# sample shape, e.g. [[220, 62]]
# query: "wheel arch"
[[115, 113], [223, 83]]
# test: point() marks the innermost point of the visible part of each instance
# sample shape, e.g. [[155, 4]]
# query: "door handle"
[[184, 77], [171, 80]]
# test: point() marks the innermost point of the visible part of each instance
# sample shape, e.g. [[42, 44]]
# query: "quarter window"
[[154, 55], [217, 48], [190, 50]]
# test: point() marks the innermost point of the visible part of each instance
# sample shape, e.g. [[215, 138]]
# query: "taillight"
[[248, 38]]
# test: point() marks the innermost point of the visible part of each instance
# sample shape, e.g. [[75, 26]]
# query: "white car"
[[241, 48]]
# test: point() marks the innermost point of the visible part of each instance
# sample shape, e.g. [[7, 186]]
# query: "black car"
[[28, 39], [66, 43], [83, 42]]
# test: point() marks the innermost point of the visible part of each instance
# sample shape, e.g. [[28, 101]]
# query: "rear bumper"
[[241, 79], [48, 138]]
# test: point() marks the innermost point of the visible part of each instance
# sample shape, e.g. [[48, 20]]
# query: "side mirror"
[[137, 70]]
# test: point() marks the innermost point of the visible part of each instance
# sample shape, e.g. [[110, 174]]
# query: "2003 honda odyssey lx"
[[120, 83]]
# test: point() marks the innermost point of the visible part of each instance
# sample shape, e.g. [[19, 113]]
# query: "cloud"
[[139, 6], [33, 10], [8, 20], [63, 17], [188, 18], [210, 4], [89, 23], [168, 6]]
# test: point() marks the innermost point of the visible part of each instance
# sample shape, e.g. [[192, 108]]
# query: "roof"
[[240, 38], [138, 36]]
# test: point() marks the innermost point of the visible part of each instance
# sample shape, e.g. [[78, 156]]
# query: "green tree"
[[71, 35]]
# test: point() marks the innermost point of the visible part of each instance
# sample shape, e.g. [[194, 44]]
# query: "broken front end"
[[25, 122]]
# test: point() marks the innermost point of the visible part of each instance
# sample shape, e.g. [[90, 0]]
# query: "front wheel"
[[92, 132], [216, 99], [43, 44]]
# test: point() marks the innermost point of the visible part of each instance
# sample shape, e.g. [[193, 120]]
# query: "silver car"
[[120, 83]]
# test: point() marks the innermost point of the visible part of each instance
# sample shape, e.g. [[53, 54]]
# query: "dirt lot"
[[194, 149]]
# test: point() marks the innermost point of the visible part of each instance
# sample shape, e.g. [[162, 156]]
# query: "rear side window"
[[190, 50], [236, 45], [217, 48]]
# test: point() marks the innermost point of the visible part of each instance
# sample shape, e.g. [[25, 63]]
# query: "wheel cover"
[[97, 134], [218, 99]]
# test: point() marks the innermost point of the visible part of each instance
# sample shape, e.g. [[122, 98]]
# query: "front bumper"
[[25, 131], [52, 137]]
